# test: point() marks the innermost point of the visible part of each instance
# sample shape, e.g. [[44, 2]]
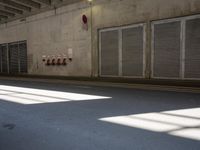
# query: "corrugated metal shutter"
[[109, 53], [4, 59], [132, 51], [0, 59], [166, 56], [23, 57], [192, 49], [14, 59]]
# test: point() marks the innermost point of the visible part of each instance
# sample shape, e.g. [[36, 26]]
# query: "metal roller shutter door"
[[109, 53], [192, 49], [23, 57], [4, 59], [13, 61], [0, 59], [132, 51], [166, 52]]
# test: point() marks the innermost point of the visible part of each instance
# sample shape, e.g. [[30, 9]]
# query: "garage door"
[[176, 48], [4, 58], [13, 58], [23, 57], [109, 53], [122, 51], [192, 48], [132, 51], [166, 49]]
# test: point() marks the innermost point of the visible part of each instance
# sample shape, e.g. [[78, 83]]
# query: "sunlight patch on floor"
[[182, 123], [36, 96]]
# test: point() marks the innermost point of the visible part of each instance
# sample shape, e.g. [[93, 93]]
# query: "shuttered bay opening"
[[109, 53], [192, 48], [23, 57], [122, 51], [132, 51], [166, 50], [4, 59], [13, 58], [0, 59]]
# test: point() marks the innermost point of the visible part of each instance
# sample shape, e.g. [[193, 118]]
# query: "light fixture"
[[90, 1]]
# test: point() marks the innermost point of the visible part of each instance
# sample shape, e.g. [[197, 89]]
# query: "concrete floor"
[[101, 118]]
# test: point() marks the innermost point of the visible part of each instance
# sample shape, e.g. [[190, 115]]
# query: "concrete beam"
[[10, 9], [2, 12], [15, 5], [59, 3], [46, 2], [29, 3], [67, 2]]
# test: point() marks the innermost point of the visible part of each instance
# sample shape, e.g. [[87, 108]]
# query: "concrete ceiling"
[[15, 9]]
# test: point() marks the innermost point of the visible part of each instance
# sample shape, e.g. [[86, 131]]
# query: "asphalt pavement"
[[51, 116]]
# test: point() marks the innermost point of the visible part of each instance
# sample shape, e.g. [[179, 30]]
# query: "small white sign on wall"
[[70, 52]]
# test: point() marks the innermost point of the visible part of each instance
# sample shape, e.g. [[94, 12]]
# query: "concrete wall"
[[111, 13], [53, 33]]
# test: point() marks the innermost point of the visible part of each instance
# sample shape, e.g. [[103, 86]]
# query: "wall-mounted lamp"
[[90, 1]]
